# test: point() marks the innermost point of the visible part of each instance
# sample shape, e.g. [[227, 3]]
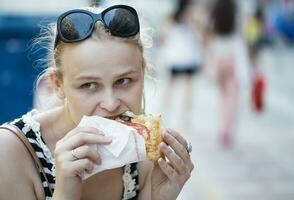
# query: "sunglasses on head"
[[77, 25]]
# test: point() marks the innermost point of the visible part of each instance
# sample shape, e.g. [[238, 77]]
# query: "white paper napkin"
[[127, 145]]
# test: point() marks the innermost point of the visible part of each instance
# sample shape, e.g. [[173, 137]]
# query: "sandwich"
[[149, 127]]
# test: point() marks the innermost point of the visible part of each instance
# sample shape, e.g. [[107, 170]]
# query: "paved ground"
[[261, 164]]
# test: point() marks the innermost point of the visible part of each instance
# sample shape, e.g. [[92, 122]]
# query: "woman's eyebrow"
[[126, 73], [89, 77], [81, 78]]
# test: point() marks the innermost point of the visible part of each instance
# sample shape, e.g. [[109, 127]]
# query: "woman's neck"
[[55, 123]]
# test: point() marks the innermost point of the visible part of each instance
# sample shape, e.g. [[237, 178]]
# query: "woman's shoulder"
[[10, 142], [12, 152], [12, 149], [11, 146], [16, 166]]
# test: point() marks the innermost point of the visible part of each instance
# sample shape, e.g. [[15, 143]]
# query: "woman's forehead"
[[92, 55]]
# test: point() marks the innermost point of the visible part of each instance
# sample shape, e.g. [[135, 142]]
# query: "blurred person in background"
[[222, 44], [254, 34], [94, 69], [182, 52]]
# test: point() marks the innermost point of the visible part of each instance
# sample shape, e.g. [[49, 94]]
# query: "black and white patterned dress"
[[31, 129]]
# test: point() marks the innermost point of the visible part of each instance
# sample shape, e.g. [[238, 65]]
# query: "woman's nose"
[[110, 102]]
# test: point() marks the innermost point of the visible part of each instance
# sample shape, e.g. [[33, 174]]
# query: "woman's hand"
[[73, 156], [171, 172]]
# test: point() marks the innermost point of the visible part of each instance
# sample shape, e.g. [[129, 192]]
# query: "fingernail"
[[167, 135], [162, 145], [168, 130], [100, 132], [160, 161], [107, 139]]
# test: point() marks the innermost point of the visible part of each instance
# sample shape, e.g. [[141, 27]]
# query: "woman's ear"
[[57, 84]]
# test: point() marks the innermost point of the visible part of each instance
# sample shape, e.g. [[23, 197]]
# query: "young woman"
[[97, 68], [224, 42], [182, 54]]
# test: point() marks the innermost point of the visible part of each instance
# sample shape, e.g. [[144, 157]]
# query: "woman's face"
[[102, 77]]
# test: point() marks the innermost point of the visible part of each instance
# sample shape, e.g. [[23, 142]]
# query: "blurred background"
[[222, 76]]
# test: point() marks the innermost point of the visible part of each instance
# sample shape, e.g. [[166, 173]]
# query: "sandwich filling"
[[149, 127]]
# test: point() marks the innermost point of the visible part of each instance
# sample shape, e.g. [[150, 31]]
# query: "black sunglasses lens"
[[121, 22], [76, 26]]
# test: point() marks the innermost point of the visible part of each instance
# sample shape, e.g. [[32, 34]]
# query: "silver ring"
[[189, 148], [74, 155]]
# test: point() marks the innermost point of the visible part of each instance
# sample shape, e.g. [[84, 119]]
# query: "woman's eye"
[[122, 81], [90, 86]]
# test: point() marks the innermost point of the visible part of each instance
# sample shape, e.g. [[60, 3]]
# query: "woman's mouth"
[[123, 116]]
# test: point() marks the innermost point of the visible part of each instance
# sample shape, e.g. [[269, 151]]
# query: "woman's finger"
[[167, 169], [180, 138], [85, 151], [77, 167], [178, 147], [174, 159], [81, 139], [86, 138], [82, 129]]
